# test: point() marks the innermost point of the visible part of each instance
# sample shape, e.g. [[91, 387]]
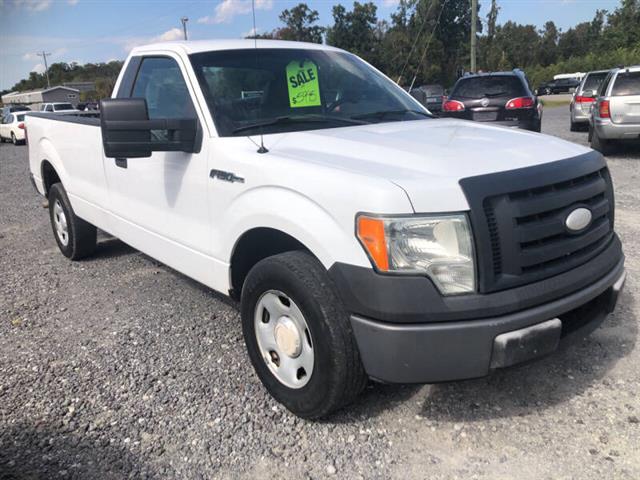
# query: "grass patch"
[[556, 103]]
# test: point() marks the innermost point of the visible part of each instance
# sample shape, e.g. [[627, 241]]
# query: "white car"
[[12, 128], [363, 237], [57, 107]]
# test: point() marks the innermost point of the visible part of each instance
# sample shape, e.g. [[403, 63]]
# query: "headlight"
[[439, 246]]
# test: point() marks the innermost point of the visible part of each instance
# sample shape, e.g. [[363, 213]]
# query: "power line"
[[426, 47], [46, 67], [424, 22]]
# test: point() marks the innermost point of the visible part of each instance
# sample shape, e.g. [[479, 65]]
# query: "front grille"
[[519, 220]]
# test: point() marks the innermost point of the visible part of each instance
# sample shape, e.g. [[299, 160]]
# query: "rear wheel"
[[13, 139], [602, 145], [75, 237], [574, 127], [298, 335]]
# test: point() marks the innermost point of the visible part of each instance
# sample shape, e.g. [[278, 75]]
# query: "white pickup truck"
[[363, 238]]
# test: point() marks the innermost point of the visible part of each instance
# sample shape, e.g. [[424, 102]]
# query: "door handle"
[[121, 162]]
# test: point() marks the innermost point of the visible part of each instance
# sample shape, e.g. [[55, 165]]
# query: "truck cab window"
[[161, 83]]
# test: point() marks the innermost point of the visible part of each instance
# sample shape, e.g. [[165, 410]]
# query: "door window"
[[161, 83]]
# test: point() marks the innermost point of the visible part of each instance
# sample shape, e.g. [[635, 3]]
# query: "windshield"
[[593, 81], [276, 90], [62, 106], [489, 86]]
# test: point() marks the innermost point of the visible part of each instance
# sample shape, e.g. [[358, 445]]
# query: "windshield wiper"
[[383, 113], [288, 120]]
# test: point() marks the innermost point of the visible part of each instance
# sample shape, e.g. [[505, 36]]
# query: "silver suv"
[[583, 98], [615, 114]]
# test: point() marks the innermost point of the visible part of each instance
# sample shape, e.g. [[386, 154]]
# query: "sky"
[[85, 31]]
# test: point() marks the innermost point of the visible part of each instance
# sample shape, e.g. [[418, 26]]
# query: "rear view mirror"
[[128, 132]]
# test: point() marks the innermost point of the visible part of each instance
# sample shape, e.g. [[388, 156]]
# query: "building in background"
[[35, 98], [81, 86]]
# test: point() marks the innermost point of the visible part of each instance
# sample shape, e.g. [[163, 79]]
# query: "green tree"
[[548, 46], [300, 25], [356, 31]]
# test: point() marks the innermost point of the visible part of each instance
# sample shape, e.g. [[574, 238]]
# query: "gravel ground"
[[118, 367]]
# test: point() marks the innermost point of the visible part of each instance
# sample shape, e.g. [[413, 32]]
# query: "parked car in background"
[[583, 98], [12, 128], [434, 96], [615, 115], [562, 85], [57, 107], [13, 108], [503, 98]]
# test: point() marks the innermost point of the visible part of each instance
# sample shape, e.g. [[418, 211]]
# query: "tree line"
[[428, 41]]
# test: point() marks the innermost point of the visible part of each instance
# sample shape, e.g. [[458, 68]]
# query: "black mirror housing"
[[127, 130]]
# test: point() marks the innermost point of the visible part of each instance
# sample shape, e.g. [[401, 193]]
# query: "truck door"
[[159, 204]]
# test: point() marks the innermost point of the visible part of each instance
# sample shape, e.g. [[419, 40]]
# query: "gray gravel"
[[118, 367]]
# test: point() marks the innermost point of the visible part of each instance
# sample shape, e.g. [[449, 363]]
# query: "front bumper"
[[458, 350]]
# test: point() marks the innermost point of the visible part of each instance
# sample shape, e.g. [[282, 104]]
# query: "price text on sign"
[[302, 81]]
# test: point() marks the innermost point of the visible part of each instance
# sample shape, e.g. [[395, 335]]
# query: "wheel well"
[[253, 246], [49, 176]]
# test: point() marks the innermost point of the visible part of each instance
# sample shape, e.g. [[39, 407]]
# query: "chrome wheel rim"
[[284, 339], [60, 223]]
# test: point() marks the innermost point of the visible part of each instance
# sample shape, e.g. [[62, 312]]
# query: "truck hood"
[[426, 158]]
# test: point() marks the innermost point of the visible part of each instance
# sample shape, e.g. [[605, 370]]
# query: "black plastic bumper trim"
[[437, 352], [415, 299]]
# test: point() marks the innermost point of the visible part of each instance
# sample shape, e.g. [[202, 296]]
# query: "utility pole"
[[184, 21], [46, 67], [474, 23]]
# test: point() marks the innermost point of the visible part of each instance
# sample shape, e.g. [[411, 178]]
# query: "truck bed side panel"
[[74, 149]]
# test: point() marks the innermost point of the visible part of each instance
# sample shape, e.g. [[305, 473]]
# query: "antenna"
[[262, 148]]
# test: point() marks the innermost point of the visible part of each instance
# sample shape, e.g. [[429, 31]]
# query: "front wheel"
[[298, 335], [75, 237]]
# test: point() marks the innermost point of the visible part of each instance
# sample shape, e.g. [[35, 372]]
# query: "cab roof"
[[199, 46]]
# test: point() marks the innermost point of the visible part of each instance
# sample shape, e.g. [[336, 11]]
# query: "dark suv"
[[562, 85], [500, 97]]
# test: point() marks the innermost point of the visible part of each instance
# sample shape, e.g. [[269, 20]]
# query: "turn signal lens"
[[371, 235]]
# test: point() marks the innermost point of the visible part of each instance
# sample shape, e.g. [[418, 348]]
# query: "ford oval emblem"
[[579, 219], [484, 102]]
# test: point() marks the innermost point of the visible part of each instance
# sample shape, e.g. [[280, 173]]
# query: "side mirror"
[[128, 132]]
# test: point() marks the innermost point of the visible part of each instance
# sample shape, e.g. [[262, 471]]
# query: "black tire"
[[574, 127], [81, 235], [13, 139], [600, 144], [338, 376]]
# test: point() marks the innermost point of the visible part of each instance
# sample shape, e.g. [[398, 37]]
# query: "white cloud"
[[250, 33], [227, 9], [33, 5], [169, 36], [73, 3], [38, 68], [390, 3], [34, 55]]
